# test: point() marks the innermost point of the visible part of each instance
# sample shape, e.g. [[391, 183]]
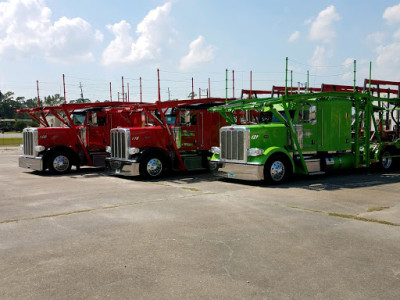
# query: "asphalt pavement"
[[87, 235]]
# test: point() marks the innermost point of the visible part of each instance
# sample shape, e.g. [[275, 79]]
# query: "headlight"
[[40, 148], [133, 150], [108, 149], [215, 150], [255, 151], [21, 147]]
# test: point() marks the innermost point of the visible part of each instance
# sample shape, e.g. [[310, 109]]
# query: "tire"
[[386, 163], [152, 166], [277, 169], [59, 163]]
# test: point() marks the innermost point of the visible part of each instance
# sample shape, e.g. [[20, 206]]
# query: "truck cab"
[[81, 140], [304, 134], [176, 135]]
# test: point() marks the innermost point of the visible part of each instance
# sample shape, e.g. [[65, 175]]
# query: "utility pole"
[[80, 86]]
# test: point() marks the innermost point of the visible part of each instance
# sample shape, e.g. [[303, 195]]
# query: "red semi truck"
[[81, 138], [176, 135]]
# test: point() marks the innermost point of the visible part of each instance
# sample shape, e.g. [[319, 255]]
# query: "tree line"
[[9, 103]]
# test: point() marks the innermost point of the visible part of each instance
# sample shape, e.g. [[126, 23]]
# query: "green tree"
[[80, 100], [20, 125], [54, 100], [8, 105]]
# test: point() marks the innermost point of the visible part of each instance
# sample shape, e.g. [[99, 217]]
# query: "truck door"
[[96, 131], [190, 120], [308, 120]]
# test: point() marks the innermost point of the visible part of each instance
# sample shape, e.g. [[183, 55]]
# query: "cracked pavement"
[[195, 236]]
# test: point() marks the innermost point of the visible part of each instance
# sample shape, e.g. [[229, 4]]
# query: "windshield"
[[170, 120], [269, 117], [78, 119]]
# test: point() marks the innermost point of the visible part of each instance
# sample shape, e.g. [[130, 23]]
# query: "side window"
[[193, 118], [308, 114], [185, 117], [313, 114]]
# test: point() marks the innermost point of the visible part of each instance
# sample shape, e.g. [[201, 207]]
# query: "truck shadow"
[[81, 173], [328, 182], [332, 181]]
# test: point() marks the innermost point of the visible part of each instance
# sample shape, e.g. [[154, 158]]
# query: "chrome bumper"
[[34, 163], [239, 171], [122, 167]]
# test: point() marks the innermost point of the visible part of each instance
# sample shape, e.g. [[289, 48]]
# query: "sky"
[[96, 43]]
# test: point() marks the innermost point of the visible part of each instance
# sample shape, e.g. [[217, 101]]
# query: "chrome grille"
[[234, 143], [120, 142], [30, 140]]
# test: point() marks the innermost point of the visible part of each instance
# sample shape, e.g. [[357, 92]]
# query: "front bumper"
[[122, 167], [34, 163], [239, 171]]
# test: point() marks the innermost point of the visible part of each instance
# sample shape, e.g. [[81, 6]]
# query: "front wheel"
[[277, 170], [152, 166], [59, 163]]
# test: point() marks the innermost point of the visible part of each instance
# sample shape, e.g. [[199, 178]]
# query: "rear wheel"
[[277, 169], [386, 163], [59, 163], [152, 166]]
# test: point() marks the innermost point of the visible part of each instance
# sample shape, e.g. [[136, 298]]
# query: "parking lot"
[[197, 236]]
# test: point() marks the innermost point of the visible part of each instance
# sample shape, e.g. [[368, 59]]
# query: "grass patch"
[[362, 219], [352, 217], [10, 141], [191, 189], [307, 209], [379, 208]]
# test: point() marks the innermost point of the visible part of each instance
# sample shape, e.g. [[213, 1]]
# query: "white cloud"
[[392, 14], [396, 35], [376, 38], [154, 31], [294, 36], [199, 52], [322, 28], [348, 69], [26, 30], [319, 56], [388, 62]]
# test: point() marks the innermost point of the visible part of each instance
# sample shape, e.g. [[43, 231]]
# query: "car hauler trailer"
[[310, 133], [177, 135], [80, 140]]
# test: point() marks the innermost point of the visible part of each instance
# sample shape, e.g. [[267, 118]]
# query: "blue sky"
[[95, 42]]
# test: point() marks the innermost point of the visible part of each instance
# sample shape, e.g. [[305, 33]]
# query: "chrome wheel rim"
[[154, 167], [386, 161], [277, 171], [61, 163]]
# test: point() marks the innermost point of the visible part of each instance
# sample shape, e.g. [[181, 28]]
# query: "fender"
[[72, 153], [272, 150], [159, 151]]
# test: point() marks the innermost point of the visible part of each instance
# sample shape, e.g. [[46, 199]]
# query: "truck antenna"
[[355, 75], [38, 98], [65, 97], [286, 76], [226, 86], [370, 75]]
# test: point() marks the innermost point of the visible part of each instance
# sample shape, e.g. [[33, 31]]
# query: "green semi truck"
[[309, 133]]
